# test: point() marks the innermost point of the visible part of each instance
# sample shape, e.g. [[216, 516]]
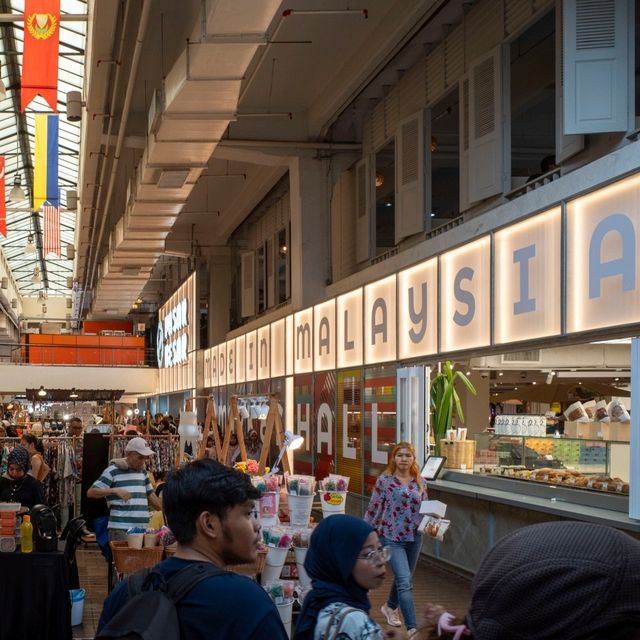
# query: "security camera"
[[74, 106]]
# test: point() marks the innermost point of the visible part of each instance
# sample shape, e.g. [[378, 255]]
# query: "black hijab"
[[333, 550]]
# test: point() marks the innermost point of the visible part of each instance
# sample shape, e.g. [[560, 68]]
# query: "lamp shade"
[[292, 441]]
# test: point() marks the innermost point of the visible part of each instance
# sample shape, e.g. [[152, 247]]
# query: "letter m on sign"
[[303, 341]]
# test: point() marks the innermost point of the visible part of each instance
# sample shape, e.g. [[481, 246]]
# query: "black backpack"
[[150, 612]]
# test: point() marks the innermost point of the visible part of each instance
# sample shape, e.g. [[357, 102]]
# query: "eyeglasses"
[[381, 554]]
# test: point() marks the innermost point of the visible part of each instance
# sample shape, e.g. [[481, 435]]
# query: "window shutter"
[[409, 218], [363, 211], [247, 284], [271, 279], [598, 65], [566, 146], [486, 136], [464, 143]]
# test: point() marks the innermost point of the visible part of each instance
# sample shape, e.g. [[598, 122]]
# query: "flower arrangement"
[[250, 467]]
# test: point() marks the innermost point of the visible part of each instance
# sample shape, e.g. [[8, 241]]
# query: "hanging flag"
[[51, 230], [40, 59], [3, 204], [45, 167]]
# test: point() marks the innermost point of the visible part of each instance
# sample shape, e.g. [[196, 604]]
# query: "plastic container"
[[276, 557], [300, 509], [303, 576], [77, 606], [150, 539], [26, 535], [286, 611], [135, 540]]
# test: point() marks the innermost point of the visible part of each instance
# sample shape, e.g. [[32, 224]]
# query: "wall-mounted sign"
[[173, 337], [264, 353], [527, 279], [215, 381], [303, 341], [288, 351], [465, 286], [278, 336], [324, 336], [251, 356], [222, 364], [241, 353], [418, 310], [380, 321], [349, 329], [231, 362], [603, 236]]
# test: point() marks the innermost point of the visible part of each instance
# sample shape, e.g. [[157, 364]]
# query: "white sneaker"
[[411, 633], [391, 615]]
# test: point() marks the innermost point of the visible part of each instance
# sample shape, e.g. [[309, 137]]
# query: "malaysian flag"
[[51, 229]]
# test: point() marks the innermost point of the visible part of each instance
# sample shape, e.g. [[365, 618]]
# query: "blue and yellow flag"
[[45, 171]]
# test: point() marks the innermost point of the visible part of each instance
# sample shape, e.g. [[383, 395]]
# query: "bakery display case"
[[588, 464]]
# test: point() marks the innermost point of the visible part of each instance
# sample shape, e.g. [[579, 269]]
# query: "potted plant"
[[445, 400]]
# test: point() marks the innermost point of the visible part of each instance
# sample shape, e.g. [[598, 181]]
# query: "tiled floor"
[[432, 583]]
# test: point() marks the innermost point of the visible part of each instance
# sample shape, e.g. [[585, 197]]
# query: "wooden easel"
[[210, 423], [274, 422], [234, 423]]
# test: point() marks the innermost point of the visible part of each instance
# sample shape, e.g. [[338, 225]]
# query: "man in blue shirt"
[[211, 511]]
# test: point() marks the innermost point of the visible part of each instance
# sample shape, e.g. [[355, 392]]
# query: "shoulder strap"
[[136, 582], [338, 617], [187, 578]]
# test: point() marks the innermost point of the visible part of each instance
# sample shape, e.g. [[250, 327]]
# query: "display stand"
[[274, 423], [210, 424], [234, 423]]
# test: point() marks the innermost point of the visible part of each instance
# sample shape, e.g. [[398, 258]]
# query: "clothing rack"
[[165, 450], [64, 456]]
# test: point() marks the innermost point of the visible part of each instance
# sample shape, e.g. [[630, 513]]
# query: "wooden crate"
[[460, 454]]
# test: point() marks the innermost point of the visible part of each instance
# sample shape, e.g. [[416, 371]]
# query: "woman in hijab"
[[16, 485], [344, 561]]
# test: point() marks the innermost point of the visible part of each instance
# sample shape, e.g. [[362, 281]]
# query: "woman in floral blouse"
[[394, 512]]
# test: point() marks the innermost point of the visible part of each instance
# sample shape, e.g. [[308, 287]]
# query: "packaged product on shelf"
[[576, 413], [618, 412], [601, 413]]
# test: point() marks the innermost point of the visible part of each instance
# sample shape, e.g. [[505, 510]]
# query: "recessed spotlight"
[[534, 382], [616, 379], [500, 373], [515, 388]]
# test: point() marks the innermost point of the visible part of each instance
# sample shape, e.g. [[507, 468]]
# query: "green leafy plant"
[[445, 400]]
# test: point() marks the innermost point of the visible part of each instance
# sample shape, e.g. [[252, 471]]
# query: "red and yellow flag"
[[40, 59]]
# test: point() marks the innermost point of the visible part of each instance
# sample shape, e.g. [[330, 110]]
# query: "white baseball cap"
[[139, 445]]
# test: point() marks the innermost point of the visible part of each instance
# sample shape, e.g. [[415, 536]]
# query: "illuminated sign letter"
[[324, 336], [625, 265], [380, 327], [466, 273], [303, 332], [419, 317], [525, 304], [348, 344]]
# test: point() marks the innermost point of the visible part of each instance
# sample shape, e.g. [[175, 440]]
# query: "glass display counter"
[[597, 465]]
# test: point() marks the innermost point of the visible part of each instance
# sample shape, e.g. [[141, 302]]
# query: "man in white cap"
[[127, 488]]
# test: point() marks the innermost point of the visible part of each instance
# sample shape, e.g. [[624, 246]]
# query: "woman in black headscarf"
[[344, 561], [16, 485]]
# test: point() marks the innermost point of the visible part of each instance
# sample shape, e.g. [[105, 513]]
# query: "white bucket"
[[276, 557], [135, 540], [300, 509], [303, 576], [77, 606], [286, 610], [268, 509], [333, 502]]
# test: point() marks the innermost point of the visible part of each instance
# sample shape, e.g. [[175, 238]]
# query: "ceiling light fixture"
[[74, 394], [42, 392], [35, 278], [550, 375], [379, 180], [30, 247], [17, 193]]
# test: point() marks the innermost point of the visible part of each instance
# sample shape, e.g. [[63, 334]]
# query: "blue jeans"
[[403, 561]]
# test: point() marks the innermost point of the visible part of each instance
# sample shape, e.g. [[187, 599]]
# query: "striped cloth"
[[134, 512], [51, 230]]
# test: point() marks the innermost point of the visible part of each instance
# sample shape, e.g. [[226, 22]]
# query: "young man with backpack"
[[211, 511]]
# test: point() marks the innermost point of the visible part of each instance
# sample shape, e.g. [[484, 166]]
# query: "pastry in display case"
[[576, 463]]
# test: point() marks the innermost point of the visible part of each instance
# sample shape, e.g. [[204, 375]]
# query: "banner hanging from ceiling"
[[3, 204], [40, 59]]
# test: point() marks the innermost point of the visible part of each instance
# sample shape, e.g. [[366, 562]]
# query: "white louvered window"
[[566, 145], [247, 288], [464, 143], [486, 128], [384, 232], [410, 202], [363, 211], [598, 65]]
